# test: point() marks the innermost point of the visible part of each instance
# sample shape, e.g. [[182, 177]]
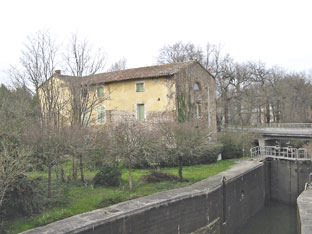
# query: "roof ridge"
[[145, 67]]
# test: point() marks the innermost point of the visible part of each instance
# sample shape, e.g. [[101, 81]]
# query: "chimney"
[[57, 72], [209, 69]]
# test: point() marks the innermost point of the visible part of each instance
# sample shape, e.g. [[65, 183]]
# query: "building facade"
[[170, 92]]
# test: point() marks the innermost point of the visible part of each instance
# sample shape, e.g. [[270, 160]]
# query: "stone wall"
[[117, 116], [187, 97]]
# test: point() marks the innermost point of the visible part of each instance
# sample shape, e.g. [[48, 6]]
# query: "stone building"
[[170, 92]]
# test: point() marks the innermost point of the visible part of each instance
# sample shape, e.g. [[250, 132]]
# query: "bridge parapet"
[[285, 125]]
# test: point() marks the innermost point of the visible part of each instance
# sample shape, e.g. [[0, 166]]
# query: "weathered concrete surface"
[[212, 228], [302, 133], [286, 179], [181, 210], [304, 203]]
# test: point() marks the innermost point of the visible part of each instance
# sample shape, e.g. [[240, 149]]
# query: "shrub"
[[235, 144], [24, 197], [211, 154], [108, 176], [158, 176], [207, 156]]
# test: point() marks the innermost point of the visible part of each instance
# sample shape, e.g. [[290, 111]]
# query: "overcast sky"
[[277, 32]]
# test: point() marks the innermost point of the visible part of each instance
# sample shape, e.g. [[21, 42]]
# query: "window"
[[197, 109], [100, 113], [196, 86], [140, 112], [139, 87], [100, 91]]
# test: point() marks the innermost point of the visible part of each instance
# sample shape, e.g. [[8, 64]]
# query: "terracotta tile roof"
[[138, 73]]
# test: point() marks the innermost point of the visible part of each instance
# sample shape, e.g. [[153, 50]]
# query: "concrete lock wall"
[[304, 203], [286, 179], [219, 204]]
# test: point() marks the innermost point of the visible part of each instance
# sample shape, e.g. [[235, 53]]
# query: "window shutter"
[[139, 87], [197, 106], [100, 91], [100, 114], [140, 112]]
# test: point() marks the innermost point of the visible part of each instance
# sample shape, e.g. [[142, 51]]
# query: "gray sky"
[[277, 32]]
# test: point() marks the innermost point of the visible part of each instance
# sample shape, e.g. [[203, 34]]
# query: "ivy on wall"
[[182, 109]]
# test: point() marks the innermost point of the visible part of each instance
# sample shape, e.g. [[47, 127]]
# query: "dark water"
[[275, 218]]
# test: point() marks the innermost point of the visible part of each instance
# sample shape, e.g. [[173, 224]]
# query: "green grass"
[[80, 198]]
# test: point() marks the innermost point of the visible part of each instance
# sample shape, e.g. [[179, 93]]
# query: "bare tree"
[[14, 161], [180, 52], [81, 59], [261, 75], [223, 69], [128, 142], [47, 136], [79, 142], [16, 113], [184, 139], [119, 65], [38, 60]]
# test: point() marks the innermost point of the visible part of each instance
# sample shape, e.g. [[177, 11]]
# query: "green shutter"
[[100, 91], [141, 112], [100, 114], [139, 87], [197, 111]]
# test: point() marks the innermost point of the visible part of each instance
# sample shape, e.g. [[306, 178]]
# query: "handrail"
[[285, 125], [270, 125], [280, 152]]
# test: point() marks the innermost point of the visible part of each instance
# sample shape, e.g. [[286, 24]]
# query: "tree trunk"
[[81, 168], [130, 175], [278, 111], [226, 113], [49, 181], [180, 168], [268, 113], [62, 173], [74, 168], [56, 172], [239, 111]]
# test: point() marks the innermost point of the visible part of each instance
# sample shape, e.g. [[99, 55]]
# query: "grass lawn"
[[80, 198]]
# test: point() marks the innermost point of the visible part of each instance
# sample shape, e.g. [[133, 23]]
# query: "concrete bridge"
[[270, 134]]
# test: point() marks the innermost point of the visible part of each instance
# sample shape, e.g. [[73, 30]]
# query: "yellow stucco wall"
[[158, 96], [123, 95], [119, 97], [55, 96]]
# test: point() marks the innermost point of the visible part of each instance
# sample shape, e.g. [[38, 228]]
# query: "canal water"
[[274, 218]]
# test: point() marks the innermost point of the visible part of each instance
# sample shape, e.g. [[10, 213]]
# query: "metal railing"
[[285, 125], [268, 125], [279, 152]]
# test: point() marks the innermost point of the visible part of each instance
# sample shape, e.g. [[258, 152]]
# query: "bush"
[[108, 176], [207, 156], [235, 144], [25, 197], [157, 176], [211, 154]]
